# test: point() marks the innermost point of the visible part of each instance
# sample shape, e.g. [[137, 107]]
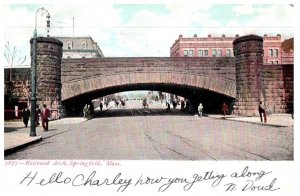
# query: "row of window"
[[204, 52], [71, 57], [273, 52], [70, 45], [273, 62]]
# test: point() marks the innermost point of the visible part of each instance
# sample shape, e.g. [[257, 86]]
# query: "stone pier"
[[248, 52], [49, 54]]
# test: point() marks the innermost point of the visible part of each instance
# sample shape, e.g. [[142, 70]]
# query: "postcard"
[[129, 97]]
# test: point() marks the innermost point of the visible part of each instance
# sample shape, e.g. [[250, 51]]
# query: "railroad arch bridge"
[[66, 83], [194, 78]]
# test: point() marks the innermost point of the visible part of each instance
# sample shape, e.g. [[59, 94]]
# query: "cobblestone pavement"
[[154, 134]]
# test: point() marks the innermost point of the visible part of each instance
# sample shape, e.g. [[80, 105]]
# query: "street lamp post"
[[41, 11]]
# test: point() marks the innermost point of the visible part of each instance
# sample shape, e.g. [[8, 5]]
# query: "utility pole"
[[73, 26], [33, 71]]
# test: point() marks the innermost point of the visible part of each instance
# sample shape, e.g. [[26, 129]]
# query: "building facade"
[[223, 47], [80, 47]]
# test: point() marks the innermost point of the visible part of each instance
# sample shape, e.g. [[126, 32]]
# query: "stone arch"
[[86, 85]]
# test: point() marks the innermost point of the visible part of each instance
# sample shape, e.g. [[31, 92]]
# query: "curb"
[[19, 147], [258, 123]]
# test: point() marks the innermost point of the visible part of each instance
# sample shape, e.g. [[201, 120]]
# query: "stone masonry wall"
[[49, 54], [277, 83], [80, 76], [20, 83], [279, 88]]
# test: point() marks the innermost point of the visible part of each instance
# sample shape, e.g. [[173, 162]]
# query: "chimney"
[[278, 36]]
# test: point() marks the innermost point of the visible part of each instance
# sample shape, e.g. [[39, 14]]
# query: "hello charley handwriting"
[[244, 180]]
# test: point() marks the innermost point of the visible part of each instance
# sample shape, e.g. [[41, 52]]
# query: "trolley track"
[[185, 148], [163, 146]]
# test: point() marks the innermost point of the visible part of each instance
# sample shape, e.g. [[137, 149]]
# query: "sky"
[[141, 30]]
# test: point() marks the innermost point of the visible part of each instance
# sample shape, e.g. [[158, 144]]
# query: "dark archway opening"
[[212, 101]]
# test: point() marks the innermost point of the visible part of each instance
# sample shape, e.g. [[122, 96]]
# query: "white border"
[[286, 171]]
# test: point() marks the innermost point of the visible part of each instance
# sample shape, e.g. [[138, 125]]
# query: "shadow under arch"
[[211, 100]]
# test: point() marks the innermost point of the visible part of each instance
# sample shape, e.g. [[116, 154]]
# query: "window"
[[83, 45], [270, 52], [69, 45], [201, 53], [219, 53], [191, 52], [275, 62], [185, 53], [228, 52], [275, 52], [205, 53], [214, 53]]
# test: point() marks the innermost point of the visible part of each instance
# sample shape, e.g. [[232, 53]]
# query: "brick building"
[[223, 47], [80, 47]]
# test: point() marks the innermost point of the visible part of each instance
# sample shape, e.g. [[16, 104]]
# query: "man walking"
[[37, 115], [45, 115], [224, 109], [200, 109], [168, 103], [182, 105], [262, 112], [85, 109], [26, 115]]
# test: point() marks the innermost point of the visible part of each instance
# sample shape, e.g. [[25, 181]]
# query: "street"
[[136, 133]]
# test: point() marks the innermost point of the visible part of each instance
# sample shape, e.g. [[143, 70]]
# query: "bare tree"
[[12, 58]]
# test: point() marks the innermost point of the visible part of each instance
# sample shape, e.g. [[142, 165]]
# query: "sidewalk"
[[17, 137], [275, 120]]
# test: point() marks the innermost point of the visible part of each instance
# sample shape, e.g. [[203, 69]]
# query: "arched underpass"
[[211, 100]]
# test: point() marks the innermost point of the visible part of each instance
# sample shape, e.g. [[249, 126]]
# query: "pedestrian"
[[91, 108], [101, 106], [26, 115], [123, 102], [224, 109], [262, 112], [174, 103], [37, 116], [45, 114], [182, 105], [168, 106], [234, 108], [88, 111], [145, 103], [117, 103], [200, 109], [85, 108], [187, 106]]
